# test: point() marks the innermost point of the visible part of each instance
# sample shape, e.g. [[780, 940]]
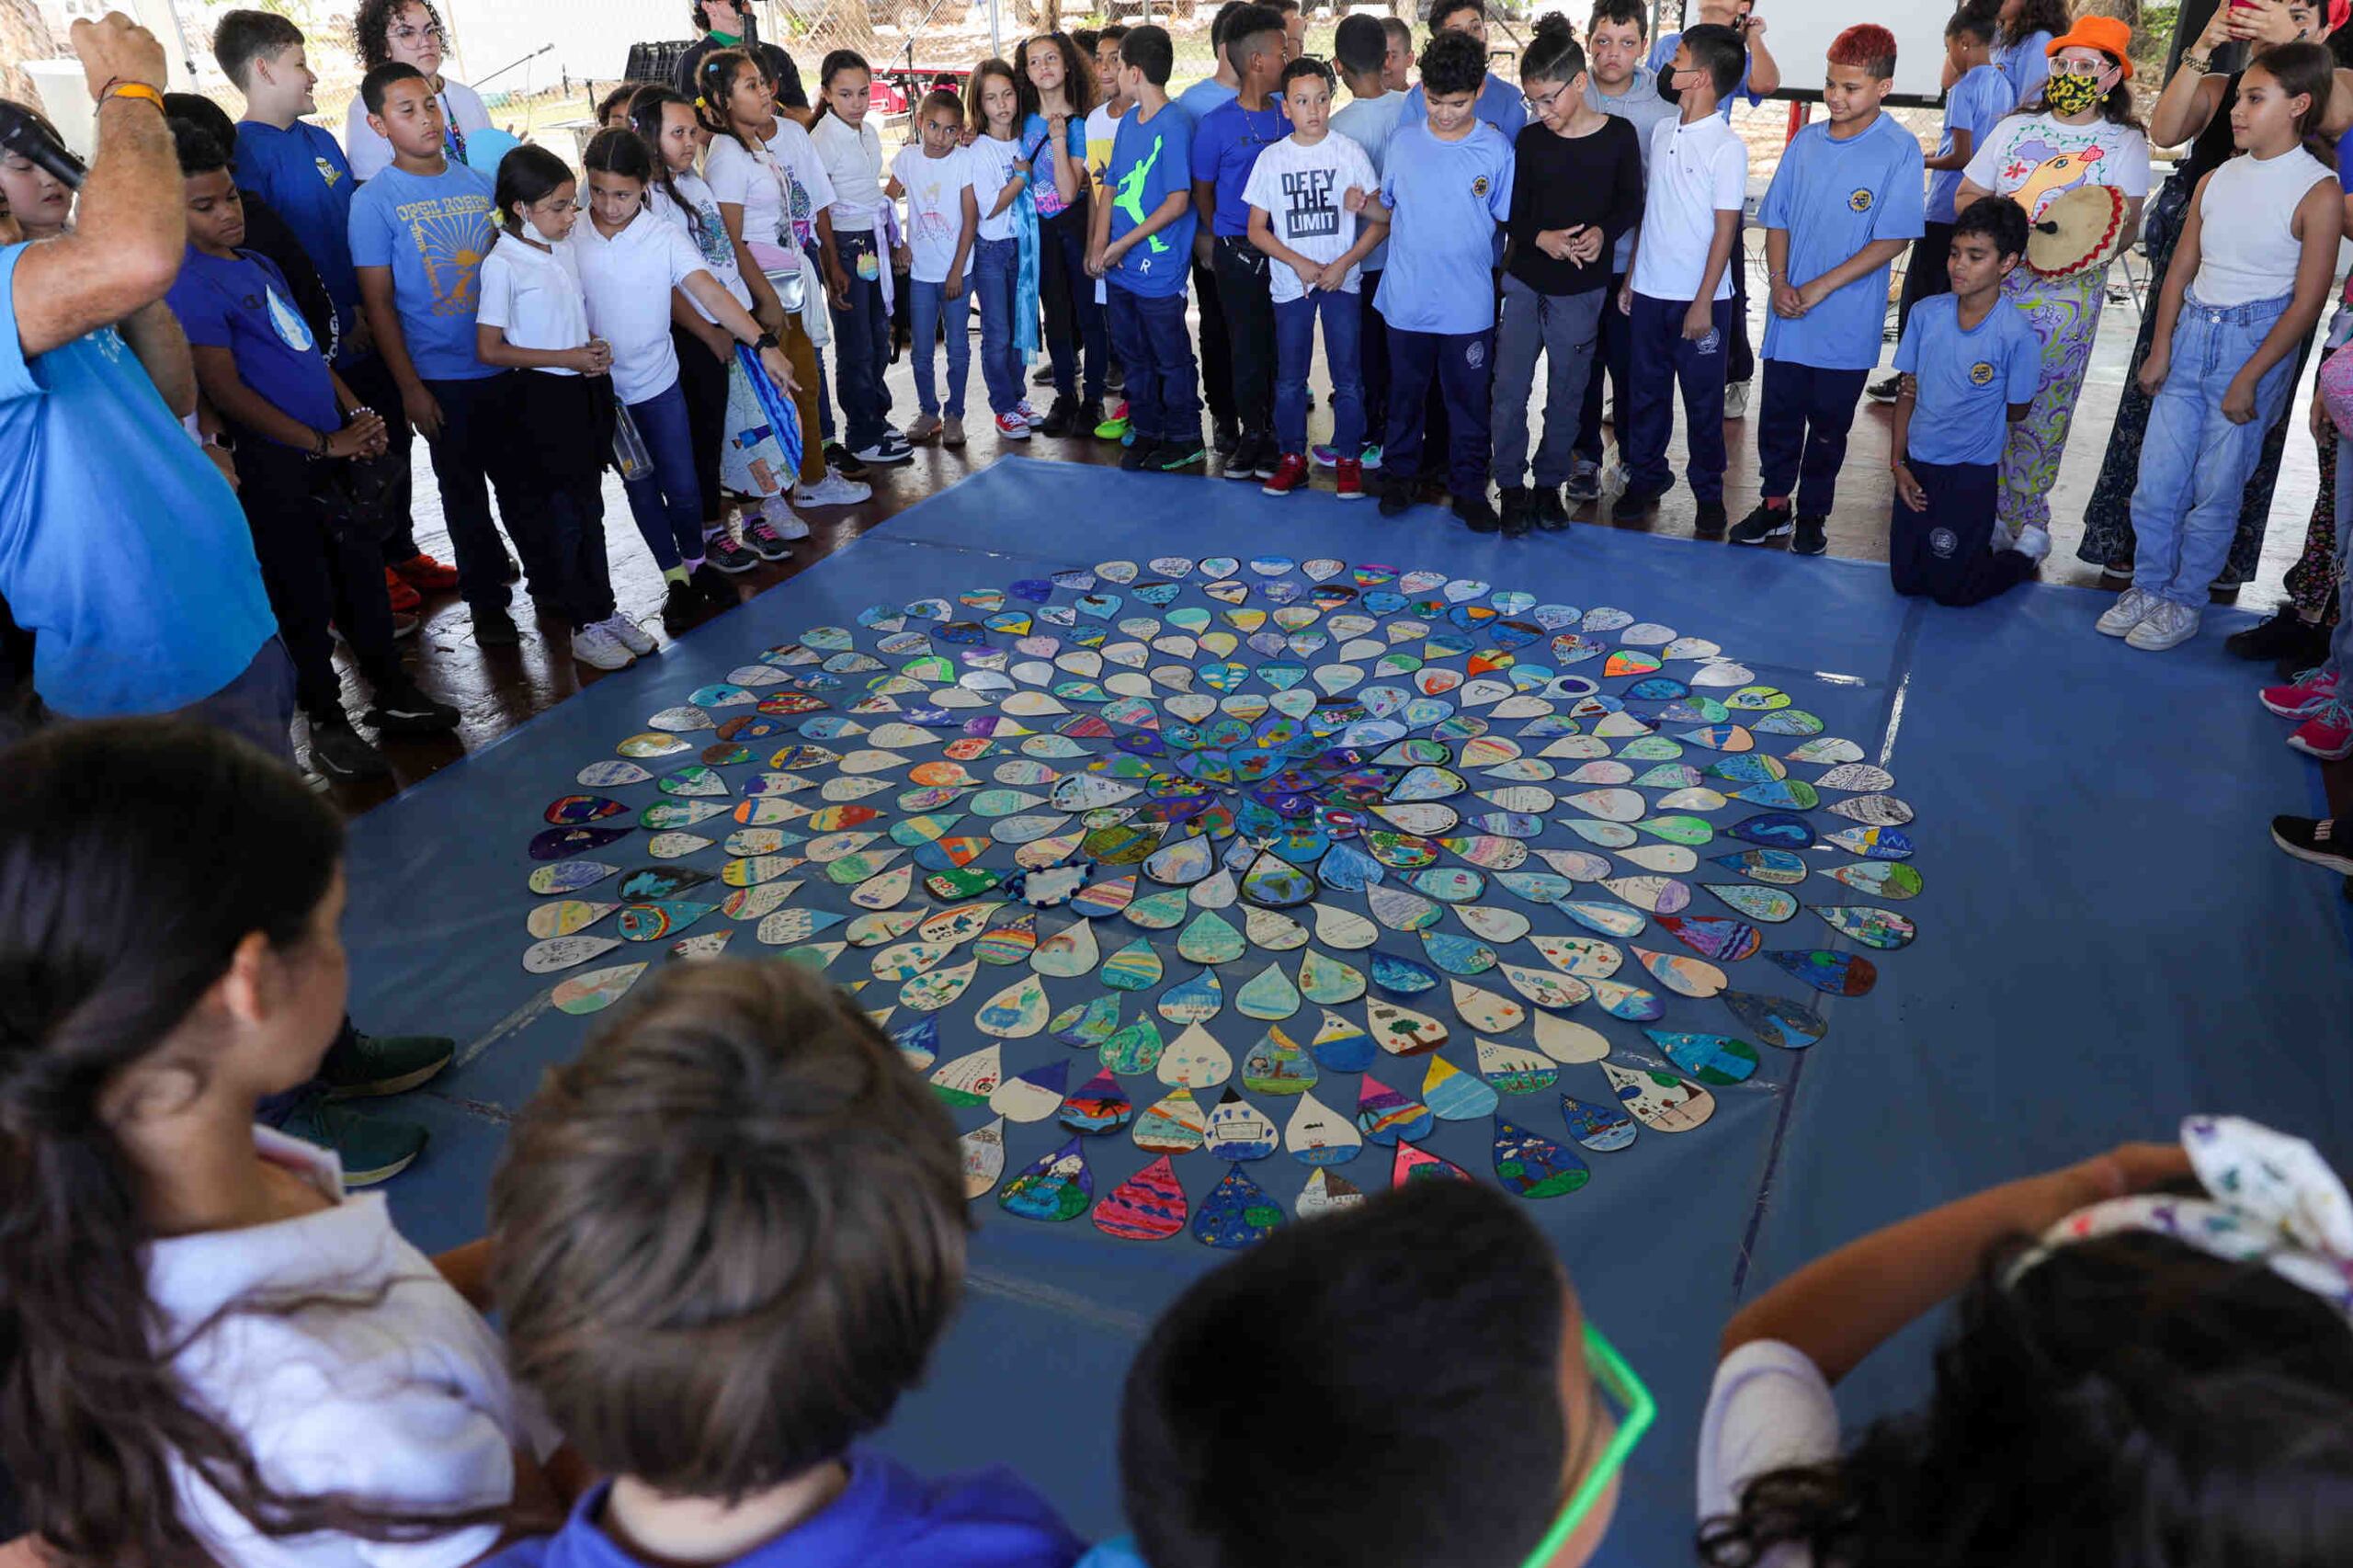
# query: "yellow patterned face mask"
[[2071, 95]]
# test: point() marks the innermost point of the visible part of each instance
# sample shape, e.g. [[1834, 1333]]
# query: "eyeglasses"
[[420, 35], [1537, 106], [1636, 1410], [2079, 67]]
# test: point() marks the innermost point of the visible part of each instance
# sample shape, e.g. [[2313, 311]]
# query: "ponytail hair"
[[116, 922], [622, 153], [1553, 54], [646, 119], [714, 84], [2309, 70], [833, 64], [527, 175]]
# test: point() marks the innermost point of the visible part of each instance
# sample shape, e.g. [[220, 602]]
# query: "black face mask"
[[1666, 87]]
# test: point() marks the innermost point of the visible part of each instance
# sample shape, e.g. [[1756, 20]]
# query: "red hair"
[[1866, 44]]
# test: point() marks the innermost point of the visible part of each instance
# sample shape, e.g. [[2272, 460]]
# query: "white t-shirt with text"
[[1302, 190]]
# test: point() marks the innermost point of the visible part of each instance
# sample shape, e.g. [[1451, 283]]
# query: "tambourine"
[[2075, 232]]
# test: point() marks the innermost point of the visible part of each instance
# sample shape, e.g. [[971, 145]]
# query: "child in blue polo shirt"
[[1843, 205], [302, 175], [1968, 367], [1446, 187], [295, 424], [1141, 245]]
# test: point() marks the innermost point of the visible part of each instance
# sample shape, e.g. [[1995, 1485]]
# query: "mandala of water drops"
[[1203, 889]]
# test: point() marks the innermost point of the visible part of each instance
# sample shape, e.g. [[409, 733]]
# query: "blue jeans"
[[1663, 359], [2194, 462], [666, 498], [1163, 384], [996, 278], [1459, 363], [1801, 432], [862, 343], [1295, 351], [929, 309]]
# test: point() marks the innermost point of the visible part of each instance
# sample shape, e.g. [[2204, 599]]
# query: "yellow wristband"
[[135, 90]]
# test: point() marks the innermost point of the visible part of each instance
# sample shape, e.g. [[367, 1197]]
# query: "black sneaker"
[[1243, 463], [681, 606], [364, 1066], [888, 452], [401, 709], [839, 458], [2286, 635], [1551, 511], [1266, 457], [2315, 841], [496, 628], [1396, 498], [1225, 439], [1477, 514], [1634, 505], [1090, 415], [1766, 522], [1063, 418], [1518, 512], [1708, 520], [1170, 456], [717, 588], [510, 573], [1141, 456], [1809, 539], [341, 752], [1885, 391]]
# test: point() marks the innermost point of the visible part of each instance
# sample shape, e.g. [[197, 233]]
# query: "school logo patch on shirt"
[[327, 171], [1860, 201], [1478, 186], [1980, 374]]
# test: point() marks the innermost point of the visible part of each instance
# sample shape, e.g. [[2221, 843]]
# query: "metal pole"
[[996, 38]]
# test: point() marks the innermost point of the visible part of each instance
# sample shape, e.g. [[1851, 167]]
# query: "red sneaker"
[[2302, 699], [2327, 735], [1350, 474], [1290, 474], [403, 598], [426, 575]]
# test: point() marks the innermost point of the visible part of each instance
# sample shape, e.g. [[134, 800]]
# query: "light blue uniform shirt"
[[1976, 103], [433, 232], [1663, 51], [145, 624], [1202, 97], [2027, 64], [1968, 380], [1835, 198], [1370, 122], [1446, 197]]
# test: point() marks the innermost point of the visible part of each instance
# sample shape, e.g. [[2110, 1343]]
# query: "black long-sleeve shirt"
[[1561, 182]]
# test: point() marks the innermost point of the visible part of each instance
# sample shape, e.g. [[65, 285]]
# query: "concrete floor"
[[499, 688]]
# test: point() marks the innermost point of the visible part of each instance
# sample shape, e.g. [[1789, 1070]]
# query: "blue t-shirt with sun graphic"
[[432, 231], [1835, 197]]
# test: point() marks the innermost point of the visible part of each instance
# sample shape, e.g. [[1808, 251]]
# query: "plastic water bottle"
[[628, 448]]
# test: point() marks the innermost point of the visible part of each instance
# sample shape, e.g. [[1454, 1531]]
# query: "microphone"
[[22, 132]]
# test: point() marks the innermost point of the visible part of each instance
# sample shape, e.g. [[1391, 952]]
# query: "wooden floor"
[[498, 690]]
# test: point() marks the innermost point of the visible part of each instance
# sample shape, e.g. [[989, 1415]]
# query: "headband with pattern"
[[2270, 1200]]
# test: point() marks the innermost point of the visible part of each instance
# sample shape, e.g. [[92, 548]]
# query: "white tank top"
[[2247, 248]]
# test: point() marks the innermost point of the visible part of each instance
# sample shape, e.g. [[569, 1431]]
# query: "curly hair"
[[2125, 1403], [373, 21]]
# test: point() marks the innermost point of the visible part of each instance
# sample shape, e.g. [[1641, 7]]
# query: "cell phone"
[[1740, 22]]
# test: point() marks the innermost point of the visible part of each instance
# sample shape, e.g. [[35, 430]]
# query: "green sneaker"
[[1182, 454], [362, 1066], [372, 1150], [1115, 428]]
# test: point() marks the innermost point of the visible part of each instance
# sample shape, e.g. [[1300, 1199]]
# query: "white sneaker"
[[781, 518], [831, 491], [596, 647], [630, 635], [1736, 401], [2126, 613], [2168, 626], [2034, 541]]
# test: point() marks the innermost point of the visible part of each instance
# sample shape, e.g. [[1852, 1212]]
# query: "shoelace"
[[2331, 712]]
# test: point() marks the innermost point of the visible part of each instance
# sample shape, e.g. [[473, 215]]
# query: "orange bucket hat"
[[2107, 34]]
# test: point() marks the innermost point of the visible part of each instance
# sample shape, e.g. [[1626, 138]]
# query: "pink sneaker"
[[1012, 428], [2327, 735], [2303, 697]]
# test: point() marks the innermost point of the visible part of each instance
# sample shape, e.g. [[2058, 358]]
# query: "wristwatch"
[[765, 340]]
